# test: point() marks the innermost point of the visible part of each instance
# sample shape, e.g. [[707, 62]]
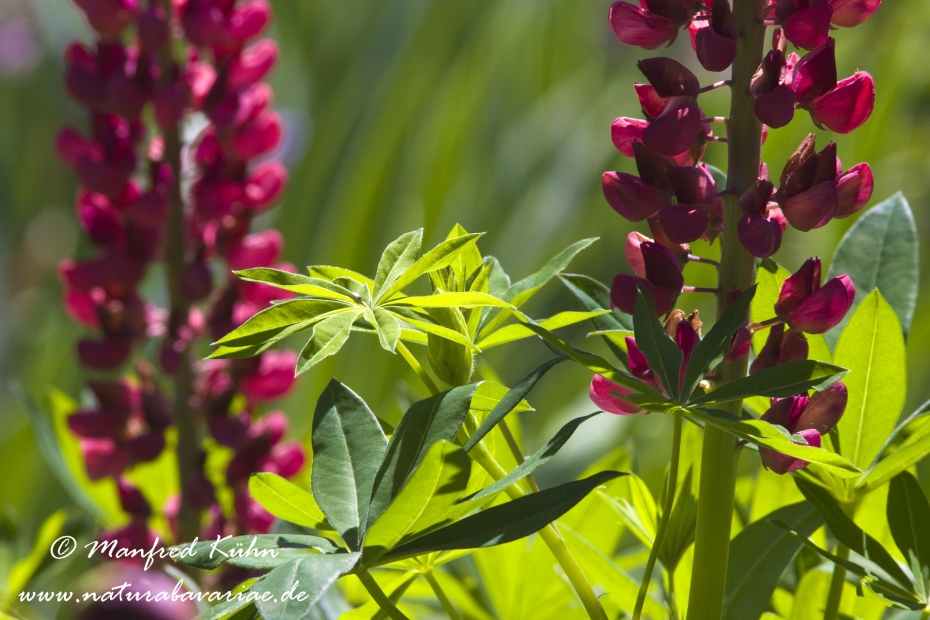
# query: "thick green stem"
[[663, 522], [720, 456], [380, 597], [925, 615], [835, 597], [441, 595], [549, 534]]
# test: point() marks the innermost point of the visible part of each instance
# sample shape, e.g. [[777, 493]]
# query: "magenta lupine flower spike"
[[698, 209], [663, 280], [814, 189], [808, 417], [807, 306], [761, 228]]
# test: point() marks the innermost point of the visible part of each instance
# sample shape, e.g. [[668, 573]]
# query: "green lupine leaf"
[[507, 522], [761, 433], [517, 331], [595, 363], [469, 261], [313, 576], [758, 557], [285, 500], [907, 513], [437, 418], [238, 608], [348, 447], [278, 321], [534, 461], [253, 551], [488, 396], [297, 283], [388, 328], [886, 589], [910, 452], [399, 256], [328, 337], [682, 523], [595, 295], [25, 569], [439, 257], [449, 300], [520, 292], [714, 346], [850, 534], [394, 590], [242, 352], [509, 402], [778, 381], [424, 502], [431, 326], [327, 272], [662, 354], [881, 252], [872, 347]]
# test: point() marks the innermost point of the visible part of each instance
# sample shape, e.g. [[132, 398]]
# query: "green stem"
[[550, 535], [380, 597], [925, 615], [737, 266], [417, 368], [441, 595], [517, 452], [663, 522], [835, 597]]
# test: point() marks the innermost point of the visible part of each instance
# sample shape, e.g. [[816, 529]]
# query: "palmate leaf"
[[439, 257], [662, 354], [297, 283], [449, 300], [907, 513], [253, 551], [348, 447], [779, 381], [279, 321], [426, 422], [758, 557], [327, 272], [388, 327], [328, 337], [429, 325], [398, 257], [507, 522]]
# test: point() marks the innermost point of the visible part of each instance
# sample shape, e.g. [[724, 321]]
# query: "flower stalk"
[[720, 454]]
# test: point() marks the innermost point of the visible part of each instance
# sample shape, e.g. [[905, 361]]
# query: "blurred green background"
[[405, 113]]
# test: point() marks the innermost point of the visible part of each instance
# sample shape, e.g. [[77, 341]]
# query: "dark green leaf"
[[662, 354], [903, 456], [399, 256], [881, 251], [886, 589], [536, 460], [778, 381], [713, 348], [759, 555], [850, 534], [507, 522], [328, 337], [310, 576], [254, 551], [595, 295], [426, 422], [720, 177], [348, 446], [513, 398], [908, 515]]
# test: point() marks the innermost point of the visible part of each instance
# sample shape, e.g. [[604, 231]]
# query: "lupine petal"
[[847, 106], [692, 184], [649, 100], [624, 289], [824, 410], [639, 27], [853, 190], [785, 412], [633, 253], [815, 73], [784, 464], [638, 365], [663, 268], [813, 208], [605, 395], [624, 131], [849, 13], [669, 77], [825, 307], [715, 52], [259, 249], [775, 108], [676, 129], [797, 286], [103, 354], [631, 197], [273, 378], [761, 237], [781, 346], [809, 27], [684, 223]]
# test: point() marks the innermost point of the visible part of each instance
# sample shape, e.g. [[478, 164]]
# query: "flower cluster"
[[676, 194], [168, 62]]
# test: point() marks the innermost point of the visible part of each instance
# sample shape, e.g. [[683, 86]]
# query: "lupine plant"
[[799, 378]]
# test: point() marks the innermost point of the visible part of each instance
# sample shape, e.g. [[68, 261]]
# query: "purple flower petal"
[[676, 129], [605, 394], [813, 208], [809, 27], [639, 27], [775, 108], [631, 197], [825, 307], [853, 190], [849, 13], [715, 52], [815, 73], [684, 223], [824, 409], [624, 131], [847, 106], [669, 77]]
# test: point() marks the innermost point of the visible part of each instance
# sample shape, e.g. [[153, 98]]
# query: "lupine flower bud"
[[809, 417], [607, 395], [663, 281], [781, 346], [807, 306], [761, 228]]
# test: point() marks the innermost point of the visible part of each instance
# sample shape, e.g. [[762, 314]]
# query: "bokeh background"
[[405, 113]]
